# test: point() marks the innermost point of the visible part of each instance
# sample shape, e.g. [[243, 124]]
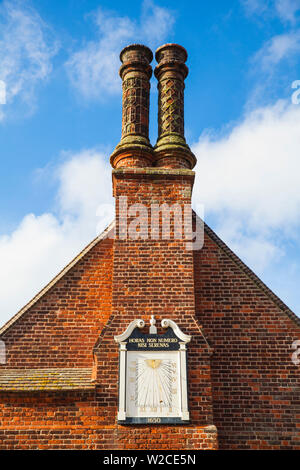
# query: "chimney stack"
[[134, 150], [171, 150]]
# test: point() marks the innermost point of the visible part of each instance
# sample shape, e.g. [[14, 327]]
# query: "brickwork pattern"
[[135, 73], [171, 72], [170, 104], [171, 149], [135, 106], [134, 148]]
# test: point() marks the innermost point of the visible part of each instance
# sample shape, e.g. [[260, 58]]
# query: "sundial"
[[152, 380]]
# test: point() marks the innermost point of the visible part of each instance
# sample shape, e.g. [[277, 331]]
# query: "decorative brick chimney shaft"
[[171, 150], [135, 150]]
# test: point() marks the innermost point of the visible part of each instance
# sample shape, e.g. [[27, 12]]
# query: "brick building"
[[59, 387]]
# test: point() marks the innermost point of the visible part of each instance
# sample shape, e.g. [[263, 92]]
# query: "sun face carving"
[[153, 384], [154, 363]]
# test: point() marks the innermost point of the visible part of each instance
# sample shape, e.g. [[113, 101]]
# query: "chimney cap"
[[141, 47], [171, 46]]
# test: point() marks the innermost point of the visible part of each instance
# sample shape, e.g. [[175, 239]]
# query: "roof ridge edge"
[[248, 271], [50, 284]]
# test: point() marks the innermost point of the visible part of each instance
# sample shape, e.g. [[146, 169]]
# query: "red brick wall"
[[248, 387], [75, 421], [155, 277], [61, 329], [255, 385], [149, 277]]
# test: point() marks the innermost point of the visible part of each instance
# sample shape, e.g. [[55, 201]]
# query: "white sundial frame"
[[155, 366]]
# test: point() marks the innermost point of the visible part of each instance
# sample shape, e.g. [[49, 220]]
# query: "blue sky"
[[62, 118]]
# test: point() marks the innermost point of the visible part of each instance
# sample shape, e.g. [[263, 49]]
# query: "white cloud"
[[85, 182], [281, 46], [93, 70], [43, 244], [249, 182], [277, 49], [258, 250], [285, 10], [255, 7], [26, 50], [156, 23], [272, 67]]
